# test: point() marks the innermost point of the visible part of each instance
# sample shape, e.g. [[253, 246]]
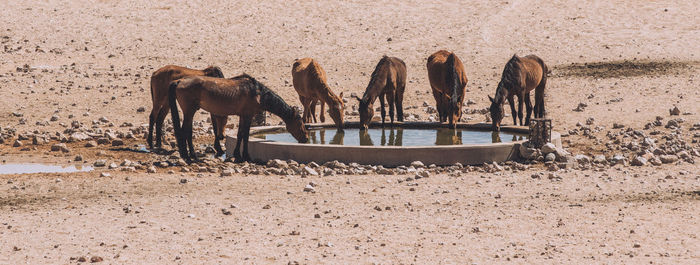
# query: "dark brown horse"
[[242, 95], [160, 80], [309, 81], [520, 76], [449, 82], [388, 80]]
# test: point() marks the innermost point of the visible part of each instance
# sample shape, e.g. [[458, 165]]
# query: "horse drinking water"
[[388, 80], [520, 76], [309, 81], [242, 95], [448, 82]]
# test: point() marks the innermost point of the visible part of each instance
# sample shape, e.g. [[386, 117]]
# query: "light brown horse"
[[160, 80], [309, 81], [388, 80], [520, 76], [448, 81], [242, 95]]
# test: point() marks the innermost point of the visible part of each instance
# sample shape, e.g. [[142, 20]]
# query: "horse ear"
[[491, 99]]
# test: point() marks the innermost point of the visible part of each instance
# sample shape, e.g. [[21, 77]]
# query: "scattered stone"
[[599, 159], [668, 159], [113, 166], [550, 157], [91, 143], [78, 136], [226, 173], [104, 174], [417, 164], [141, 109], [582, 159], [277, 163], [183, 181], [548, 148], [309, 188], [309, 171], [117, 142], [674, 111], [225, 211], [639, 161], [78, 158], [17, 143], [60, 147], [151, 169], [100, 163], [96, 259]]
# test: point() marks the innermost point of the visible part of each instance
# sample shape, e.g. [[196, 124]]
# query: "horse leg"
[[322, 114], [399, 105], [151, 121], [390, 101], [239, 138], [245, 125], [520, 109], [219, 128], [383, 111], [159, 126], [187, 131], [512, 109], [305, 104], [528, 108], [313, 109]]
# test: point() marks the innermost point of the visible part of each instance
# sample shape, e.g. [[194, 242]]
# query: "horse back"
[[308, 77], [534, 70]]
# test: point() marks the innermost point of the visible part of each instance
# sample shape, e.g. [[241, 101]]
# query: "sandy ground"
[[83, 60]]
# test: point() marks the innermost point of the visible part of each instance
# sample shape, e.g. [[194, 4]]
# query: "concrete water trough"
[[385, 152]]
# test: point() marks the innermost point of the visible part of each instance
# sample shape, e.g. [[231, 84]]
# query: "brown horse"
[[388, 80], [242, 95], [160, 80], [520, 76], [309, 81], [448, 81]]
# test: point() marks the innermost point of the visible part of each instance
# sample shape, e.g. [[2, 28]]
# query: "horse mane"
[[213, 71], [269, 100], [508, 78], [373, 78]]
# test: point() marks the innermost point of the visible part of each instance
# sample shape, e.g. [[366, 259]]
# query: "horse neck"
[[327, 95], [269, 101], [501, 93]]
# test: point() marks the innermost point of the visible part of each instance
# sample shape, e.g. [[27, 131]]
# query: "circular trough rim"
[[409, 125]]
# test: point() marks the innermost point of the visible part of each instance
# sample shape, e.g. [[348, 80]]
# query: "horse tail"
[[172, 99], [453, 76], [539, 91]]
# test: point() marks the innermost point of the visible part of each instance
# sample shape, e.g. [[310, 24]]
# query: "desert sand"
[[615, 66]]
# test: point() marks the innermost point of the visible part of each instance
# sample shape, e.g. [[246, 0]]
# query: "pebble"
[[548, 148], [183, 181], [151, 169], [91, 143], [104, 174], [550, 157], [117, 142], [309, 171], [100, 163], [78, 158], [60, 147], [113, 165], [417, 164], [17, 143], [674, 111], [639, 161], [309, 188]]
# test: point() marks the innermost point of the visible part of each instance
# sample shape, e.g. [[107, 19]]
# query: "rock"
[[78, 158], [117, 142], [582, 159], [417, 164], [674, 111], [655, 161], [423, 174], [91, 143], [277, 163], [96, 259], [141, 109], [618, 126], [548, 148], [54, 118], [309, 171], [385, 171], [226, 173], [59, 147], [183, 181], [668, 159], [309, 188], [313, 165], [527, 152], [335, 164], [78, 136], [104, 174], [550, 157], [618, 159], [151, 169], [100, 163], [17, 143], [225, 211], [113, 166], [599, 159], [639, 161]]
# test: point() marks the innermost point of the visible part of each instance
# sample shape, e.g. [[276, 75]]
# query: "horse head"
[[296, 127], [336, 111], [497, 112], [366, 113]]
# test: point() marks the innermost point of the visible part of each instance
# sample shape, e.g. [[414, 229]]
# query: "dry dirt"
[[83, 60]]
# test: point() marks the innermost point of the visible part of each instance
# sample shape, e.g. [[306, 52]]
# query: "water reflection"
[[446, 136], [398, 137]]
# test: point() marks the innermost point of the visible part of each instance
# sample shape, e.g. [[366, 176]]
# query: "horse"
[[160, 79], [448, 82], [309, 81], [520, 76], [241, 95], [388, 80]]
